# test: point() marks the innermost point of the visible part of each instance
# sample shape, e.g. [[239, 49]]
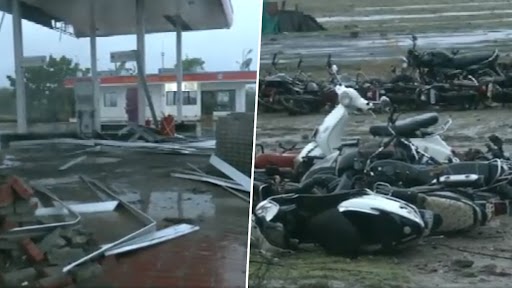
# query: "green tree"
[[194, 64], [47, 98], [7, 104]]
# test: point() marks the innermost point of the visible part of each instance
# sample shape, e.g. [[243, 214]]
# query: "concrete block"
[[48, 271], [77, 237], [65, 256], [18, 277], [52, 241]]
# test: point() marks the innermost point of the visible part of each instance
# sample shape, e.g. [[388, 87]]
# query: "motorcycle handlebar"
[[329, 61]]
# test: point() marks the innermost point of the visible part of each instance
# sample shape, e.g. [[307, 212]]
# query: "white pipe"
[[179, 74], [21, 100], [140, 15], [94, 67]]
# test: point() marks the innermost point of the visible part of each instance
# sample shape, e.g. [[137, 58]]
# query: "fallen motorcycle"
[[352, 222], [336, 221]]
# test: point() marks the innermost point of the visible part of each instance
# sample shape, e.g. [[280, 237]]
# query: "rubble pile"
[[37, 259]]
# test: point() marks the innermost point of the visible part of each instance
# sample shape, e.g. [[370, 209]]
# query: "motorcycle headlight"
[[267, 209]]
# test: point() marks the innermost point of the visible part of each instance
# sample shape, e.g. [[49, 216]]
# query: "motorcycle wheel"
[[335, 234]]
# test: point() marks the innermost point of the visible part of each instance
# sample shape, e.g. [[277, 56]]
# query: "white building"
[[205, 95]]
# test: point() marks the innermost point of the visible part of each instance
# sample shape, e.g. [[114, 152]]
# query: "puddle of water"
[[184, 205], [407, 7], [401, 16], [9, 162], [232, 268]]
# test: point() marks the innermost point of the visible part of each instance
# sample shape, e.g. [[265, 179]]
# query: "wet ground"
[[213, 256], [469, 128], [481, 259], [384, 31], [314, 48]]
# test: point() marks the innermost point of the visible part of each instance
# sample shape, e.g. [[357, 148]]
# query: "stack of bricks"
[[17, 204], [38, 261]]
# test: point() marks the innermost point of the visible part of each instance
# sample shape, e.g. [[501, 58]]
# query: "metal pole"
[[94, 67], [179, 75], [21, 100], [141, 50]]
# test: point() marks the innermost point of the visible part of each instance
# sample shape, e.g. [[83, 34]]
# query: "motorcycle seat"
[[407, 127], [467, 60]]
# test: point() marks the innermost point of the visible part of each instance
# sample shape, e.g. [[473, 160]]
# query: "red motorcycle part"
[[280, 160]]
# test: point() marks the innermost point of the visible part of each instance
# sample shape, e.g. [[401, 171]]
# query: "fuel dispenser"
[[85, 108]]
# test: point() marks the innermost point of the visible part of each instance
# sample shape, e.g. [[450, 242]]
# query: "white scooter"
[[329, 136]]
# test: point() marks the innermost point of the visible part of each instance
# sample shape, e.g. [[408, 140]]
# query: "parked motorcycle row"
[[351, 197], [427, 78], [297, 94]]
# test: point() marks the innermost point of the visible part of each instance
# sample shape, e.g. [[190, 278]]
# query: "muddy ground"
[[481, 259], [438, 262], [385, 29], [143, 179]]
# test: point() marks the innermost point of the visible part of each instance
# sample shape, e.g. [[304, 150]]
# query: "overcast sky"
[[220, 49]]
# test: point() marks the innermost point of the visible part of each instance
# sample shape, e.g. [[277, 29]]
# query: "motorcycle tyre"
[[332, 231]]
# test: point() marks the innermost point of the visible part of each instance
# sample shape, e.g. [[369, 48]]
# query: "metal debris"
[[153, 238], [234, 174], [209, 179], [72, 162], [194, 148], [45, 228], [246, 199], [148, 221], [96, 207]]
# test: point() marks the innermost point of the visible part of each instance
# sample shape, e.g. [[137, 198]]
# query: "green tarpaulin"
[[268, 22]]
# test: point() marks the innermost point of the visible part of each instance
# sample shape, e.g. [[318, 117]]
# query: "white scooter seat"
[[407, 127]]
